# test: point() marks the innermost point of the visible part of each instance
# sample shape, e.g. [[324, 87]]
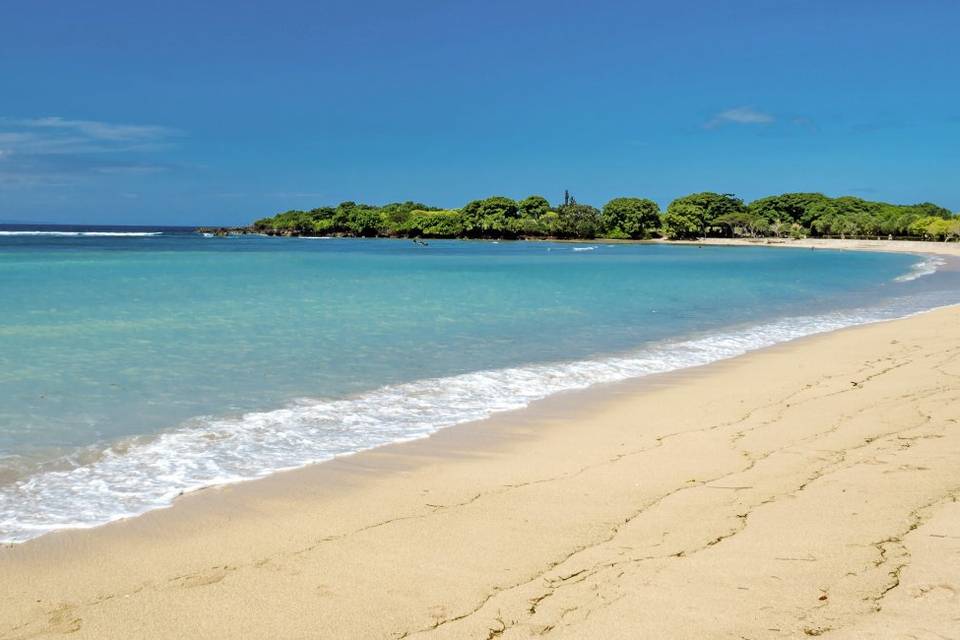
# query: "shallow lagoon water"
[[135, 367]]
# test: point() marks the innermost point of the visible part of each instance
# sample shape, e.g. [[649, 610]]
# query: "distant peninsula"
[[692, 216]]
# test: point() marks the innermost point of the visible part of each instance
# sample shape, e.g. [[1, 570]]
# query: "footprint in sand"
[[202, 579], [938, 591], [63, 620]]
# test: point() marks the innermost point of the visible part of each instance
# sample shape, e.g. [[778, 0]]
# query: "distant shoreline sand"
[[804, 489], [890, 246]]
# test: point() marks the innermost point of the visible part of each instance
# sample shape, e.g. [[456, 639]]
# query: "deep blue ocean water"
[[137, 363]]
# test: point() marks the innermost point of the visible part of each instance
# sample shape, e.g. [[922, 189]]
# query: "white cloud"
[[99, 130], [739, 115], [130, 169], [56, 135], [55, 151]]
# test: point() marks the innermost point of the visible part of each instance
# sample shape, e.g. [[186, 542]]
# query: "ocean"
[[140, 363]]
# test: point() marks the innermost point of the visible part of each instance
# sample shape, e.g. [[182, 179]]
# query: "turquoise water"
[[135, 367]]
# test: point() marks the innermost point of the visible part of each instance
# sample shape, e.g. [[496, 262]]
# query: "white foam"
[[584, 248], [74, 234], [925, 267], [133, 477]]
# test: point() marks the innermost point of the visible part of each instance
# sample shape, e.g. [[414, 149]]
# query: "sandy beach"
[[394, 321], [891, 246], [809, 489]]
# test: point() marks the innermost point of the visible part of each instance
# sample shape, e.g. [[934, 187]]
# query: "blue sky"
[[221, 112]]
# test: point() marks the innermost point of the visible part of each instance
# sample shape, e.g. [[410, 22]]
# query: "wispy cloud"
[[739, 115], [54, 151], [93, 129], [131, 168]]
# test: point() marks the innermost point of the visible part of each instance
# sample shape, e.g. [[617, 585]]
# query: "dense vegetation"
[[692, 216]]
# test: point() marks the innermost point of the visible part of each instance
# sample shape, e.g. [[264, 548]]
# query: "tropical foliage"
[[692, 216]]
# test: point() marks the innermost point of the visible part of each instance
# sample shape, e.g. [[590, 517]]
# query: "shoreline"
[[745, 340], [921, 247], [405, 528], [877, 246]]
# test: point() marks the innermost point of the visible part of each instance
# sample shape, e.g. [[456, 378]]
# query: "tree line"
[[692, 216]]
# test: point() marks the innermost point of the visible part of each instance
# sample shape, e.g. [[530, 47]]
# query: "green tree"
[[293, 221], [930, 209], [630, 217], [801, 208], [683, 221], [395, 214], [526, 227], [709, 206], [533, 207], [365, 222], [489, 218], [936, 228], [742, 223], [435, 223], [578, 221]]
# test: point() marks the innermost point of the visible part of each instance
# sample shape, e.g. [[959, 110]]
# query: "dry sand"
[[894, 246], [808, 489]]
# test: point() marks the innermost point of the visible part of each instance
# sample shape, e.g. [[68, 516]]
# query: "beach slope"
[[809, 489]]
